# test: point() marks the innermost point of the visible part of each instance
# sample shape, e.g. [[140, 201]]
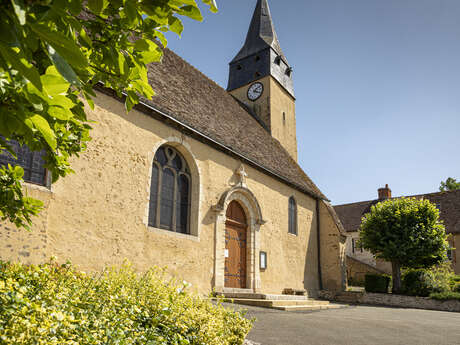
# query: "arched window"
[[31, 161], [292, 216], [169, 206]]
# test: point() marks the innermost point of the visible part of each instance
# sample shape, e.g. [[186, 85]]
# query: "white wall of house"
[[353, 250]]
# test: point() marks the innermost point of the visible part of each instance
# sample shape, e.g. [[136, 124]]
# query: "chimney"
[[384, 193]]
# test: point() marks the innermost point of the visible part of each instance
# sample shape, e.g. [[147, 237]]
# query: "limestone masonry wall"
[[98, 216]]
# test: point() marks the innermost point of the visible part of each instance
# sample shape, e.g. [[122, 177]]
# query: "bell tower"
[[261, 78]]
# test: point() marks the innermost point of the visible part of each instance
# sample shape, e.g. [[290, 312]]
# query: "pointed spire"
[[261, 34]]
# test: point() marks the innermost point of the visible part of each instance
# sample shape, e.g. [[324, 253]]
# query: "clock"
[[255, 91]]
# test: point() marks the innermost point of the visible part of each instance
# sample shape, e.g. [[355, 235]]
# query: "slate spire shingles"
[[261, 34]]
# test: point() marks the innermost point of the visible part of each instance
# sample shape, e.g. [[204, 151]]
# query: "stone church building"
[[200, 179]]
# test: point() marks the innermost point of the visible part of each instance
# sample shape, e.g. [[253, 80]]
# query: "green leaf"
[[61, 101], [19, 62], [44, 128], [60, 113], [65, 46], [97, 6], [148, 50], [19, 9], [131, 10], [63, 67], [175, 25], [54, 84], [212, 4], [75, 7], [192, 12]]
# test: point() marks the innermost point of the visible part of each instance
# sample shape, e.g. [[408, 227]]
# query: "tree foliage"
[[449, 184], [407, 232], [52, 53]]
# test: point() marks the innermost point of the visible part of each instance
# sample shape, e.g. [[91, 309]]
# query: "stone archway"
[[251, 208]]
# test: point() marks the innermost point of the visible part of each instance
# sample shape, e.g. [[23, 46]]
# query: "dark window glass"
[[160, 156], [292, 216], [170, 187], [167, 199], [182, 204], [153, 195], [177, 163], [32, 162]]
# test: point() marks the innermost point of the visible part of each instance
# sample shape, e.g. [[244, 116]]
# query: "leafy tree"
[[450, 184], [52, 53], [407, 232]]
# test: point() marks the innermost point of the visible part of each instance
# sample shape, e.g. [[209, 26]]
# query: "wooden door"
[[235, 246]]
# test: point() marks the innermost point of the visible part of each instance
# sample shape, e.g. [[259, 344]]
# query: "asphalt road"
[[356, 325]]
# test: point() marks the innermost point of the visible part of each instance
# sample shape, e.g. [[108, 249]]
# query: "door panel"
[[235, 247]]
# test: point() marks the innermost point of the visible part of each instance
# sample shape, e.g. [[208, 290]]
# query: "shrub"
[[376, 283], [422, 282], [444, 296], [51, 304], [456, 287], [417, 283]]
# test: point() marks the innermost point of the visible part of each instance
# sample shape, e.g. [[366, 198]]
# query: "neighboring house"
[[199, 179], [350, 215]]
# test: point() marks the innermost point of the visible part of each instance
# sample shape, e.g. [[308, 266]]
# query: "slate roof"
[[188, 96], [261, 34], [449, 204]]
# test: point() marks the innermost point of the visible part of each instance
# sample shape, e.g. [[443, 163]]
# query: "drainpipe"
[[318, 225]]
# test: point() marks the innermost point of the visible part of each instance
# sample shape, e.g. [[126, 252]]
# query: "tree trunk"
[[396, 270]]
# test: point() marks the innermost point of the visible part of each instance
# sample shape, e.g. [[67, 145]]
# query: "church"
[[199, 179]]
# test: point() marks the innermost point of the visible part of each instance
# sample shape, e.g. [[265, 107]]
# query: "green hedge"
[[445, 296], [376, 283], [51, 304]]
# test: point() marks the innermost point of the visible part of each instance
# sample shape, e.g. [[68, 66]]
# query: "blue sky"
[[377, 85]]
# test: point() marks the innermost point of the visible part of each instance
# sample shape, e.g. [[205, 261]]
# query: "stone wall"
[[390, 300], [356, 270], [98, 216], [333, 265]]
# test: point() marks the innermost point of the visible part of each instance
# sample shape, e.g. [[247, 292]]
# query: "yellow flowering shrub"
[[52, 304]]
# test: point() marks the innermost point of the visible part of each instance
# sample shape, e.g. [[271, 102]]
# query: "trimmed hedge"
[[445, 296], [376, 283], [51, 304]]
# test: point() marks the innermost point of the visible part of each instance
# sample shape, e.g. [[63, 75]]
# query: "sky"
[[377, 86]]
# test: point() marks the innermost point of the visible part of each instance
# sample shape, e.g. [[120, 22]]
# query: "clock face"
[[255, 91]]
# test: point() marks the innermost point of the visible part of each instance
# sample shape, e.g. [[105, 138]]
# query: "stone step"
[[309, 307], [276, 303], [252, 295]]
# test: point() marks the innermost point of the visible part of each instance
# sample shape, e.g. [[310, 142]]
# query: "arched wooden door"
[[235, 246]]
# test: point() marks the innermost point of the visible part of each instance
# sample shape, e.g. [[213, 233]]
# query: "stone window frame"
[[170, 155], [195, 188]]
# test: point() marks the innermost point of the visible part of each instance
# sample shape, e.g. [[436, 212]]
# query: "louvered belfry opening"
[[235, 246], [170, 188]]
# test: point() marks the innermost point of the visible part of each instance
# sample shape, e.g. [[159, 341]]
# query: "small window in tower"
[[284, 118], [289, 71], [257, 58], [239, 67], [257, 75], [278, 60]]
